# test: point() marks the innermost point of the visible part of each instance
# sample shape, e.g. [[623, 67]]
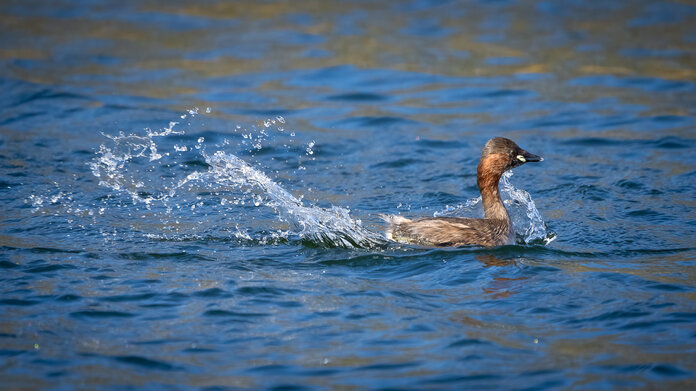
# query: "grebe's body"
[[495, 229]]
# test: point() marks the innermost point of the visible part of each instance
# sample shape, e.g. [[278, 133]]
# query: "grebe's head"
[[507, 154]]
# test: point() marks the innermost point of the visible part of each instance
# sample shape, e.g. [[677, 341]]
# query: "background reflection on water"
[[97, 290]]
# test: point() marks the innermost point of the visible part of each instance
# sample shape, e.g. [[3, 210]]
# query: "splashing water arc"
[[123, 166], [332, 227]]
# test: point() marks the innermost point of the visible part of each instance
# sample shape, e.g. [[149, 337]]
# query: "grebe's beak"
[[527, 157]]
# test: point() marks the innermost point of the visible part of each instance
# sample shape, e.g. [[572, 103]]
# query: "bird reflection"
[[489, 260], [500, 287]]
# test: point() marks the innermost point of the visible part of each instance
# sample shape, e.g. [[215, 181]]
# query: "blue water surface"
[[130, 260]]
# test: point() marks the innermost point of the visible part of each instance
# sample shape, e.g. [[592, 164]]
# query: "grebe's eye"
[[521, 158]]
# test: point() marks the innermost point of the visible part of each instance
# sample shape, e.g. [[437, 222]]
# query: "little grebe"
[[495, 229]]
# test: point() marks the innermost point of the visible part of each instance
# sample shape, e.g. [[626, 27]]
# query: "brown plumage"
[[495, 229]]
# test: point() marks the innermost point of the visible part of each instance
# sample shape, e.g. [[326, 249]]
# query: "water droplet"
[[309, 149]]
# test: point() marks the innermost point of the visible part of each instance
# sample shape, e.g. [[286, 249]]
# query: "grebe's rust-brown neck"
[[490, 169]]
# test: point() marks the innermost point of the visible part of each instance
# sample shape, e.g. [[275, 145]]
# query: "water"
[[190, 195]]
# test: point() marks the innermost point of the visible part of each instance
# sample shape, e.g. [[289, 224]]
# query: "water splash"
[[458, 210], [331, 227], [526, 219], [113, 167], [143, 168]]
